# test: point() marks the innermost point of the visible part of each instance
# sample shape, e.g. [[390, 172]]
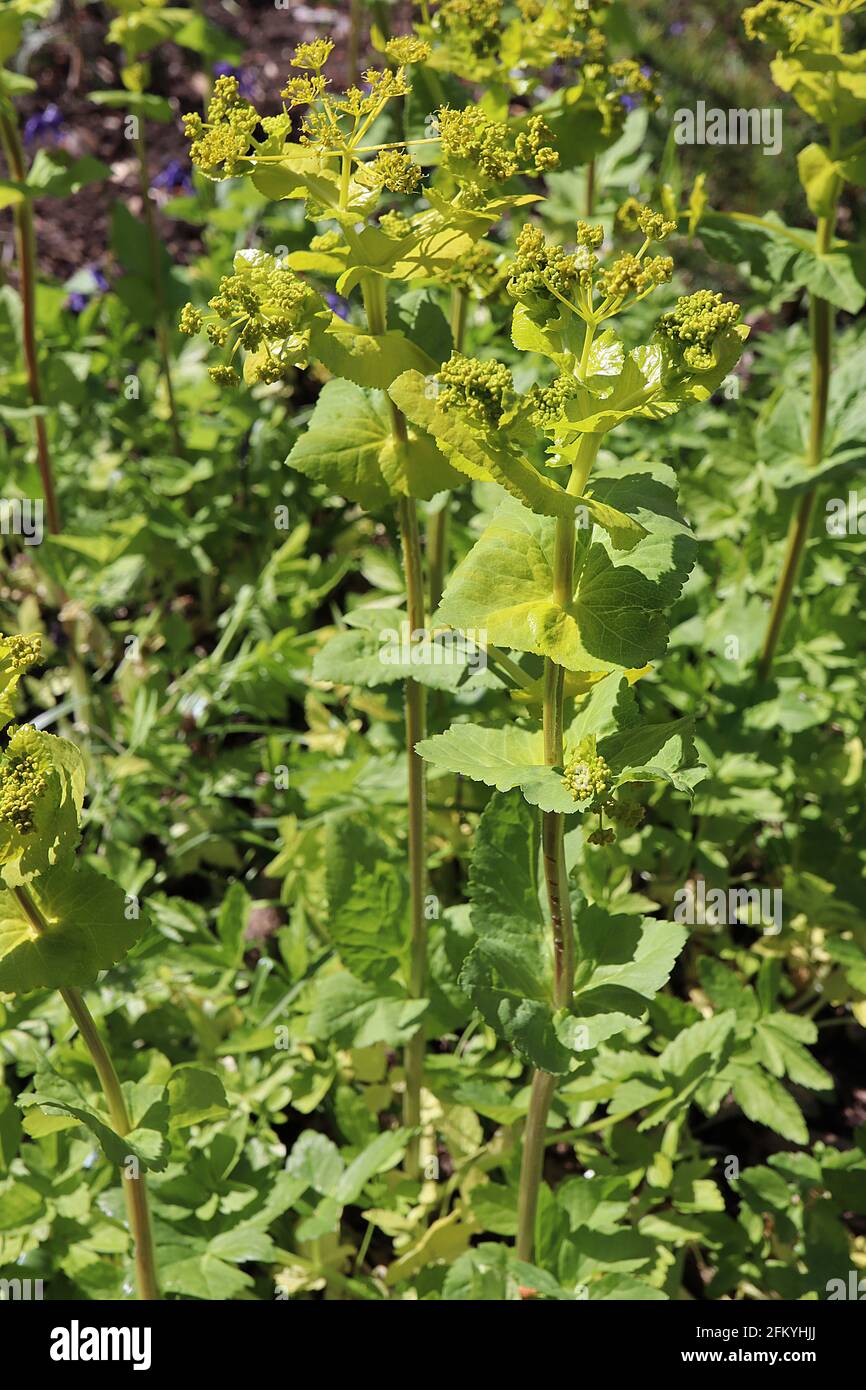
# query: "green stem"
[[437, 524], [822, 320], [553, 858], [415, 716], [161, 319], [25, 237], [134, 1189]]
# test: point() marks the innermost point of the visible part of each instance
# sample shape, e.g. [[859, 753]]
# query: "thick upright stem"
[[415, 715], [555, 875], [437, 524], [134, 1188], [161, 323], [25, 238], [822, 320]]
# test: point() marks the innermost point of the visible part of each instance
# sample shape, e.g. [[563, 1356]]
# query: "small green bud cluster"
[[262, 305], [223, 140], [632, 79], [394, 224], [547, 403], [654, 225], [541, 268], [586, 775], [22, 783], [475, 271], [590, 236], [482, 390], [696, 321], [391, 169], [487, 152], [632, 275], [18, 652]]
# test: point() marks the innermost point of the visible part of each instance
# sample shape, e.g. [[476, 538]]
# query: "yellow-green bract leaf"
[[85, 928], [503, 590], [423, 255], [16, 654], [364, 358], [486, 458], [350, 446], [819, 175], [41, 794], [622, 961]]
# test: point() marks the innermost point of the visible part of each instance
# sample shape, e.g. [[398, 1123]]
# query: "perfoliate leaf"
[[349, 445], [480, 455], [621, 961], [146, 1105], [85, 929], [41, 793], [504, 588]]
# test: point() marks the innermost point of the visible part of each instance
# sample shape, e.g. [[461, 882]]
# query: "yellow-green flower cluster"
[[475, 271], [472, 25], [262, 307], [391, 169], [541, 269], [483, 391], [485, 152], [782, 25], [586, 774], [18, 652], [695, 322], [633, 275], [394, 224], [406, 49], [22, 783], [547, 403], [223, 140]]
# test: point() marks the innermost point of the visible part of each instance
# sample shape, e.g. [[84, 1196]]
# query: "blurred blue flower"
[[90, 281], [629, 102], [48, 124], [677, 28], [246, 86], [337, 304], [176, 177]]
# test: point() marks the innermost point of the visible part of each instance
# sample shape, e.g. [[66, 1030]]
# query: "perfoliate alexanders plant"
[[580, 573], [354, 172], [61, 924], [828, 82]]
